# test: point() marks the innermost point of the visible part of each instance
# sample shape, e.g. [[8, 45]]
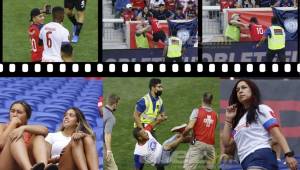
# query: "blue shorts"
[[263, 159], [166, 154]]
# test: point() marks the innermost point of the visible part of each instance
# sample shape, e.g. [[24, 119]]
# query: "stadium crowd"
[[160, 9], [255, 3]]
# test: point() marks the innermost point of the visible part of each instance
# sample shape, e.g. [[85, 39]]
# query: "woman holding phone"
[[249, 124]]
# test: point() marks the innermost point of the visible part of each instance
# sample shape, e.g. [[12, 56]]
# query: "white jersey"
[[249, 138], [150, 152], [53, 34], [58, 142]]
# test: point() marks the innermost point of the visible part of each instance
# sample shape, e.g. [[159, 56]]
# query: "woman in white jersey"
[[73, 146], [22, 145], [249, 124]]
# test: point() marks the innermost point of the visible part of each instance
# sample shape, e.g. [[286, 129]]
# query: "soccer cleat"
[[75, 39], [179, 128]]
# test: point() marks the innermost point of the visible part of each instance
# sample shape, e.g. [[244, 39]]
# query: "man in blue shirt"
[[149, 107]]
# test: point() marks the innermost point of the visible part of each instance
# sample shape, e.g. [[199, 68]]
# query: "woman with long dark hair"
[[73, 146], [249, 124], [22, 145]]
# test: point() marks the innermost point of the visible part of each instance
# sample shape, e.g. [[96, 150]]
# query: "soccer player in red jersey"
[[158, 33], [37, 19], [256, 30]]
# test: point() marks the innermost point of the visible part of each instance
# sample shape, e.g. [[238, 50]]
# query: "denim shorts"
[[264, 159]]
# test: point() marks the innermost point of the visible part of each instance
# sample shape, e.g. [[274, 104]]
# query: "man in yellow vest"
[[173, 50], [150, 106], [140, 35], [233, 29], [276, 41]]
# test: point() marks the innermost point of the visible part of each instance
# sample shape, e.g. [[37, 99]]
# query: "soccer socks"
[[73, 19], [79, 26]]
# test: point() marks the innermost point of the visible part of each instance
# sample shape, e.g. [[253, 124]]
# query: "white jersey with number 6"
[[53, 34]]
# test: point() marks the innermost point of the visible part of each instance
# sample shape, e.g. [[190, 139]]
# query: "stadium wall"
[[244, 52], [144, 55]]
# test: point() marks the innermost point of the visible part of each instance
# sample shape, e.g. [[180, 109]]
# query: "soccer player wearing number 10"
[[37, 19], [256, 30], [53, 36]]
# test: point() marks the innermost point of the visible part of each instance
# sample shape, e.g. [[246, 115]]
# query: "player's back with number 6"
[[53, 35]]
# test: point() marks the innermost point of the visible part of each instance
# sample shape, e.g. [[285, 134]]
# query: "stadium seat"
[[36, 115], [99, 146], [91, 93], [11, 91], [54, 85], [69, 97], [5, 97], [56, 109], [4, 113], [7, 103], [4, 120], [3, 84], [45, 89], [98, 133], [42, 94], [7, 80], [90, 99], [61, 102], [20, 86], [87, 105], [76, 80], [70, 91], [33, 99], [51, 127]]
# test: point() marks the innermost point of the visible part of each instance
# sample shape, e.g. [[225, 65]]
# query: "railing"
[[111, 28], [211, 20]]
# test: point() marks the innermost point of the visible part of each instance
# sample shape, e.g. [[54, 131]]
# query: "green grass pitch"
[[180, 96], [16, 45]]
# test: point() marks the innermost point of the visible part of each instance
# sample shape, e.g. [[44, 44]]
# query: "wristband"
[[108, 151], [289, 154]]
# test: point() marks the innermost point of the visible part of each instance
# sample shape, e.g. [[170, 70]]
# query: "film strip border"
[[152, 69]]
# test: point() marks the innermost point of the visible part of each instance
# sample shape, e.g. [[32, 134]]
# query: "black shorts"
[[159, 36], [171, 60], [276, 53], [78, 4]]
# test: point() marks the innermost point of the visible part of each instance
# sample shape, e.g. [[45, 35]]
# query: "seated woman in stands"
[[21, 145], [73, 146]]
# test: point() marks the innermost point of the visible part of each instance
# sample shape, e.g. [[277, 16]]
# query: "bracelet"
[[289, 154], [108, 151]]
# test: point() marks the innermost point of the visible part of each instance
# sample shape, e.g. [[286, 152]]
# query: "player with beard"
[[150, 106]]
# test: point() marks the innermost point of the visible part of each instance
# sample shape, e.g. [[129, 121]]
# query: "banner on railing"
[[244, 52], [144, 55]]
